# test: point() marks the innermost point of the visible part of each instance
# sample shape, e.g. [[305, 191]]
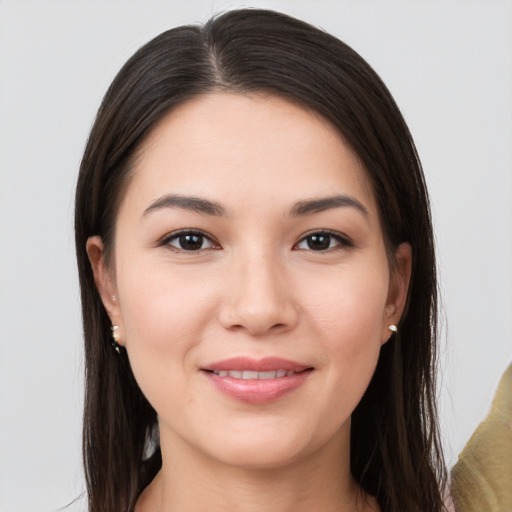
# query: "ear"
[[398, 289], [104, 279]]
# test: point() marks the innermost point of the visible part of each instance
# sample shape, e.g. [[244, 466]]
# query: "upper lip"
[[267, 364]]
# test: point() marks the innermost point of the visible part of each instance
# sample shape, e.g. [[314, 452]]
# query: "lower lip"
[[255, 391]]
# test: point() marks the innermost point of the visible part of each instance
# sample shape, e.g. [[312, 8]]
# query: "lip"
[[256, 391], [267, 364]]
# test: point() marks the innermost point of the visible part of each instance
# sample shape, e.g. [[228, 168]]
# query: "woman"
[[253, 230]]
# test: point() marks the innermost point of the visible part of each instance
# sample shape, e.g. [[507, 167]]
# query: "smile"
[[257, 381], [253, 375]]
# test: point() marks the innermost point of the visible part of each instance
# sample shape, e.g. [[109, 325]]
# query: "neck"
[[190, 481]]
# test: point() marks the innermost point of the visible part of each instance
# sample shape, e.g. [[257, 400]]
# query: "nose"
[[258, 298]]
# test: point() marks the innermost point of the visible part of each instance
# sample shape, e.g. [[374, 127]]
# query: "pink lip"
[[257, 391], [267, 364]]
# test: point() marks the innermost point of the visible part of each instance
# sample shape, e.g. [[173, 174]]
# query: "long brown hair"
[[395, 449]]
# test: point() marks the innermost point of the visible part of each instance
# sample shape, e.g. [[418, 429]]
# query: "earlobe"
[[103, 277], [398, 289]]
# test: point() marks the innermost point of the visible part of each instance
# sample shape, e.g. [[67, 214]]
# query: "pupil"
[[319, 242], [191, 242]]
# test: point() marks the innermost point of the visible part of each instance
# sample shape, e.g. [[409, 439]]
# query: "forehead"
[[244, 149]]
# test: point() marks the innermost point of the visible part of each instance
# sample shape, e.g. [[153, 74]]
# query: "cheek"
[[348, 320], [349, 305], [163, 315], [160, 303]]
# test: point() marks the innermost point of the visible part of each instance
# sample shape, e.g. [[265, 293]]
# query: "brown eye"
[[190, 241], [323, 241], [318, 242]]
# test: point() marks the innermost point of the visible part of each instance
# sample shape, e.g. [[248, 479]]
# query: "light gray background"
[[449, 66]]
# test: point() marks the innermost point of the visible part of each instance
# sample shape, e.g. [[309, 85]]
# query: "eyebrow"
[[194, 204], [207, 207], [311, 206]]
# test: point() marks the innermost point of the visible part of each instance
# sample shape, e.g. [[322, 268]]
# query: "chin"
[[267, 447], [262, 455]]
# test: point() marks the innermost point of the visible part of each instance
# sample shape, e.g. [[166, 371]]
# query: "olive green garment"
[[482, 477]]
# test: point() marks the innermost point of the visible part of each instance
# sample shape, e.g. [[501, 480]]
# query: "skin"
[[255, 288]]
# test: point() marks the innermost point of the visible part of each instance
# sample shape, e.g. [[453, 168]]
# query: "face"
[[252, 288]]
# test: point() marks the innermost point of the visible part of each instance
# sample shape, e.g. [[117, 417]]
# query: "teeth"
[[252, 375], [246, 375]]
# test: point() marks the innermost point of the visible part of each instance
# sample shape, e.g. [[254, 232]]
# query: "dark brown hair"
[[395, 448]]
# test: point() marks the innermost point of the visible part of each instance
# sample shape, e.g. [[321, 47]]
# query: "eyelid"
[[166, 239], [343, 240]]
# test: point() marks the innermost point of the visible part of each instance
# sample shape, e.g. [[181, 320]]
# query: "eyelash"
[[176, 235], [343, 242]]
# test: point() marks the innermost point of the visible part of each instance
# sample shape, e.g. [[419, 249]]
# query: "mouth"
[[253, 375], [257, 381]]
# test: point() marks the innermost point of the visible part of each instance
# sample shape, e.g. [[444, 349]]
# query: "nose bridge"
[[259, 278], [258, 299]]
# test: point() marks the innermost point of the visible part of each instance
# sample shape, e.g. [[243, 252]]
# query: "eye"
[[189, 241], [323, 241]]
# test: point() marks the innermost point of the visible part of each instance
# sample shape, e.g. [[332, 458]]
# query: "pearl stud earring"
[[115, 338]]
